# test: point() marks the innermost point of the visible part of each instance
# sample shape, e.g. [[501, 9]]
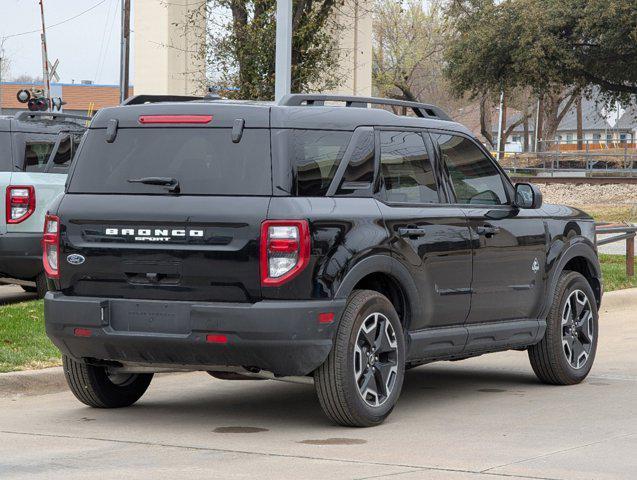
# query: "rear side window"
[[36, 154], [64, 154], [360, 168], [407, 173], [315, 157], [203, 161]]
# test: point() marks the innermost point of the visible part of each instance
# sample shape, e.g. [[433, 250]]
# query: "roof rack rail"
[[29, 115], [141, 99], [422, 110]]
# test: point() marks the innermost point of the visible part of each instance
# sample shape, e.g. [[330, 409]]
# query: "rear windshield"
[[202, 160]]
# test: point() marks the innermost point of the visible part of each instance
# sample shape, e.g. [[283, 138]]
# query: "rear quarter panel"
[[344, 231], [48, 186]]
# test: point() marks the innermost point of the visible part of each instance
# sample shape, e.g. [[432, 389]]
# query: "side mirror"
[[527, 196]]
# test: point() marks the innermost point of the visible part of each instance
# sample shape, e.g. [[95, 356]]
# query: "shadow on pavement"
[[280, 405], [13, 294]]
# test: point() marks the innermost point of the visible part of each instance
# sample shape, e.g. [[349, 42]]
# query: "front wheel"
[[96, 387], [566, 353], [360, 382]]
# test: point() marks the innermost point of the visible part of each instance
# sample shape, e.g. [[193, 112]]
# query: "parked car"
[[303, 239], [35, 153]]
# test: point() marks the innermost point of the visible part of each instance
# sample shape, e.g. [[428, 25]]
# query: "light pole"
[[124, 51], [498, 154], [1, 62], [283, 55]]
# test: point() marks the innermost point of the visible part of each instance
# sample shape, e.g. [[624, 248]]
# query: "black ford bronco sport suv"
[[339, 244]]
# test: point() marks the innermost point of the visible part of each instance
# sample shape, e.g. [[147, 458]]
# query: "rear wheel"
[[566, 353], [96, 387], [360, 382], [40, 286]]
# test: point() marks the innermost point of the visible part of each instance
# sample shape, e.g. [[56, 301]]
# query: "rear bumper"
[[283, 337], [21, 255]]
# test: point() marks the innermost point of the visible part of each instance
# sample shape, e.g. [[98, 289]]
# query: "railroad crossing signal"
[[36, 101], [53, 70]]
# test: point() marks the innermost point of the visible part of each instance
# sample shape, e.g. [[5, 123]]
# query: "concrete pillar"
[[355, 45], [168, 48]]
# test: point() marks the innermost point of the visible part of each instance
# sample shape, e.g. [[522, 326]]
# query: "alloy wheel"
[[375, 359], [577, 329]]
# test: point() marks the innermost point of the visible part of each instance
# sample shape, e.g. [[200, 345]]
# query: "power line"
[[58, 23], [99, 55], [108, 41]]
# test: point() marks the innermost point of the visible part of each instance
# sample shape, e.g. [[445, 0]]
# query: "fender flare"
[[575, 249], [391, 267]]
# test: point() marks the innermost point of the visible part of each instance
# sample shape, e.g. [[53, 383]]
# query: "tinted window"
[[36, 155], [406, 168], [315, 155], [360, 168], [64, 152], [475, 178], [204, 161]]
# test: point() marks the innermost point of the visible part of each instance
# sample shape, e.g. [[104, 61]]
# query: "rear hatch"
[[163, 205]]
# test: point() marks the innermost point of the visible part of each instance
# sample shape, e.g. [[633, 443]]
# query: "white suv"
[[36, 149]]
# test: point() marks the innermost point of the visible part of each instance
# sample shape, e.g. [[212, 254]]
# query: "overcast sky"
[[87, 46]]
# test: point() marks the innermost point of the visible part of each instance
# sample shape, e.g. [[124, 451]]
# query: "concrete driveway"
[[478, 419]]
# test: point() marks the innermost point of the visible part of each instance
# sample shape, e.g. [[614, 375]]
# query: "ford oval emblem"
[[75, 259]]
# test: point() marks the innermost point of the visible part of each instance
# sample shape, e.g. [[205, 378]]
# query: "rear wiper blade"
[[170, 182]]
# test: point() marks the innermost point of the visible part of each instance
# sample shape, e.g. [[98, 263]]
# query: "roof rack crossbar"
[[422, 110], [26, 114], [140, 99]]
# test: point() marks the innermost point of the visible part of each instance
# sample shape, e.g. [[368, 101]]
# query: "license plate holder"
[[150, 317]]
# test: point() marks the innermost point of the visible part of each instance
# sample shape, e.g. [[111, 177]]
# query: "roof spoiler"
[[422, 110]]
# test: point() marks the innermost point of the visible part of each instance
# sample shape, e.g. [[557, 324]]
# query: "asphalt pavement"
[[484, 418]]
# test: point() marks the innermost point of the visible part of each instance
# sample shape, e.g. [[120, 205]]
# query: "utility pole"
[[283, 54], [45, 61], [580, 130], [124, 51]]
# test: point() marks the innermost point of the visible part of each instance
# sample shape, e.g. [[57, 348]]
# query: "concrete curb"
[[32, 382], [51, 380], [620, 299]]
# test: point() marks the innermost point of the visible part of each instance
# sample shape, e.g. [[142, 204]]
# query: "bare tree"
[[408, 43]]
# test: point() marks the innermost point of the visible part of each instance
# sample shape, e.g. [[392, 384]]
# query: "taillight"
[[20, 203], [285, 250], [51, 246]]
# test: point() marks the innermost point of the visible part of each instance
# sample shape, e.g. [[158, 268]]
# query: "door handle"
[[411, 232], [487, 230]]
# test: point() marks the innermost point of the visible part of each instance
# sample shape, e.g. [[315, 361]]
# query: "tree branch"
[[614, 87]]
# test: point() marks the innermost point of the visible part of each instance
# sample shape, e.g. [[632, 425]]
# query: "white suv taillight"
[[51, 246], [20, 203], [285, 250]]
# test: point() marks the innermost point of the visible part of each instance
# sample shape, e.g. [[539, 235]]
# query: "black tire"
[[40, 286], [336, 382], [92, 386], [555, 360]]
